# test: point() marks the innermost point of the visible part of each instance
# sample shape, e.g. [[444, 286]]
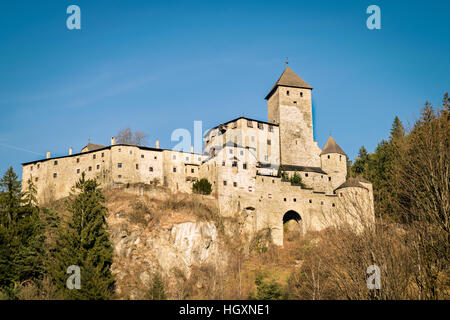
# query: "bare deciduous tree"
[[127, 136]]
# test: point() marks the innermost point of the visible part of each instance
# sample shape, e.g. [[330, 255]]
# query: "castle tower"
[[289, 105], [334, 162]]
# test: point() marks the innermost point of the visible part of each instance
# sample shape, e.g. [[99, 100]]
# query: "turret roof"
[[289, 79], [332, 147]]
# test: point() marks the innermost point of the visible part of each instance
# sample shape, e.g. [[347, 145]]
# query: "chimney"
[[70, 151], [48, 154], [157, 144], [113, 141], [192, 149]]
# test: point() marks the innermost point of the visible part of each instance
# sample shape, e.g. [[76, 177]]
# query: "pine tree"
[[361, 164], [85, 243], [397, 130], [10, 197], [21, 235], [427, 113], [157, 291]]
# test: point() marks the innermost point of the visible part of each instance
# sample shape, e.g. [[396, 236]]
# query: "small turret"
[[334, 162]]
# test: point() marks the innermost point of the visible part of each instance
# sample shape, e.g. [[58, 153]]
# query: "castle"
[[249, 163]]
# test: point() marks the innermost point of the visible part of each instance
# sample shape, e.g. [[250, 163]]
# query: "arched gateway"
[[292, 221]]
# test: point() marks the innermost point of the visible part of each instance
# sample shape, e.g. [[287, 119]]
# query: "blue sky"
[[158, 66]]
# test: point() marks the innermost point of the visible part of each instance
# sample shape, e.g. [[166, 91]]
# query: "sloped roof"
[[332, 147], [351, 182], [93, 146], [289, 79]]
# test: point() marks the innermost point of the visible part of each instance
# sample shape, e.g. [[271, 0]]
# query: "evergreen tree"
[[361, 164], [10, 196], [427, 113], [21, 245], [157, 291], [84, 242], [397, 130], [203, 186]]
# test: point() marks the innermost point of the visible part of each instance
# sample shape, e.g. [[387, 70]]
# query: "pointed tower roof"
[[332, 147], [289, 79]]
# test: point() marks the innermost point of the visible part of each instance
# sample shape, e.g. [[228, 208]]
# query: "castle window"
[[260, 126], [192, 170], [310, 201], [333, 205], [273, 181], [231, 151], [131, 152], [98, 167], [31, 168], [329, 178], [223, 164], [120, 149], [174, 169], [321, 203], [224, 182], [151, 169], [38, 165], [78, 160], [137, 166], [244, 166], [55, 175], [199, 159], [174, 157], [270, 128], [340, 158], [241, 153], [234, 164], [328, 156], [234, 184], [156, 157], [321, 176], [285, 199], [287, 92], [301, 94], [266, 158], [295, 200], [90, 168], [55, 163], [78, 170], [36, 179], [119, 165], [295, 102], [103, 154], [119, 176], [306, 174], [269, 142], [94, 156], [142, 156], [249, 123]]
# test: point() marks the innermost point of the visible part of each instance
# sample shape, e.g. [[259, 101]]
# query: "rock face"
[[171, 247]]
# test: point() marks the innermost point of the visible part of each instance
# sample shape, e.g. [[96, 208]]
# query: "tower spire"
[[287, 61]]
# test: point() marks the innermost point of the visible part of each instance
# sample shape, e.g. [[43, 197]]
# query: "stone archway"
[[292, 222]]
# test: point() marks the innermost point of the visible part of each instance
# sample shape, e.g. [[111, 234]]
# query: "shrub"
[[202, 187], [296, 180]]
